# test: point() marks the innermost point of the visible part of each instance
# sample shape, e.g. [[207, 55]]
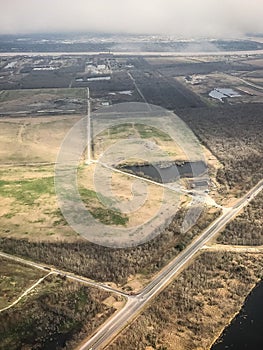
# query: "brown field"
[[32, 140], [121, 187], [28, 148]]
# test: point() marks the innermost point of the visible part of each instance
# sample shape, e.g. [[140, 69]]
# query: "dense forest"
[[56, 316], [108, 264], [234, 136], [247, 228]]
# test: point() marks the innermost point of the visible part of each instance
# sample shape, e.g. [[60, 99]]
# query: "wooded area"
[[108, 264], [191, 313], [247, 228], [234, 135], [57, 315]]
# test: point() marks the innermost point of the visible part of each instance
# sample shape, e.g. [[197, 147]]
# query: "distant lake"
[[246, 329]]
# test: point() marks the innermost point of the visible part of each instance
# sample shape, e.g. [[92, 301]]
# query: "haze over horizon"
[[184, 19]]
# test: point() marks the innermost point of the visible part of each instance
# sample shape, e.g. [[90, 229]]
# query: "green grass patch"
[[147, 132], [115, 130], [59, 218], [50, 233], [109, 217], [27, 191], [99, 211], [9, 215], [87, 194]]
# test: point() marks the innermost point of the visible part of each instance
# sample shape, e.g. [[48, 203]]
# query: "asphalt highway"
[[137, 303]]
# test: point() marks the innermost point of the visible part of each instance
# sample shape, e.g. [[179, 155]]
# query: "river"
[[246, 329]]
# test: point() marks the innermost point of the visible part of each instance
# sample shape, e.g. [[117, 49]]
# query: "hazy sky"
[[183, 18]]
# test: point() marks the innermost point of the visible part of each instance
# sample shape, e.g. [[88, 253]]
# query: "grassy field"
[[32, 140], [28, 208], [28, 148], [28, 205], [31, 218], [153, 137], [104, 215], [57, 315], [15, 279], [27, 191], [111, 194]]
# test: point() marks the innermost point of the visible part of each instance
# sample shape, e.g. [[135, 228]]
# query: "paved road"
[[246, 82], [139, 91], [63, 273], [138, 302], [88, 127], [251, 84]]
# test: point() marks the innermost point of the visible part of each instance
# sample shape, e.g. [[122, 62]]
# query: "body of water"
[[246, 330], [168, 173]]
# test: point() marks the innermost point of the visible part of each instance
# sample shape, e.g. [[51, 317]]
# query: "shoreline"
[[231, 320]]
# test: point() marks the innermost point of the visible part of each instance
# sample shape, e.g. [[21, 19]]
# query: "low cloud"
[[183, 19]]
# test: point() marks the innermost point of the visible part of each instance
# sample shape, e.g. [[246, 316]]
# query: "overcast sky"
[[182, 18]]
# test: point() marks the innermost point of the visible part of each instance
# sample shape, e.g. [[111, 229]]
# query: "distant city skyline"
[[183, 19]]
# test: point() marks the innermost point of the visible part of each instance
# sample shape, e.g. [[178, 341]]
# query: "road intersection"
[[137, 303]]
